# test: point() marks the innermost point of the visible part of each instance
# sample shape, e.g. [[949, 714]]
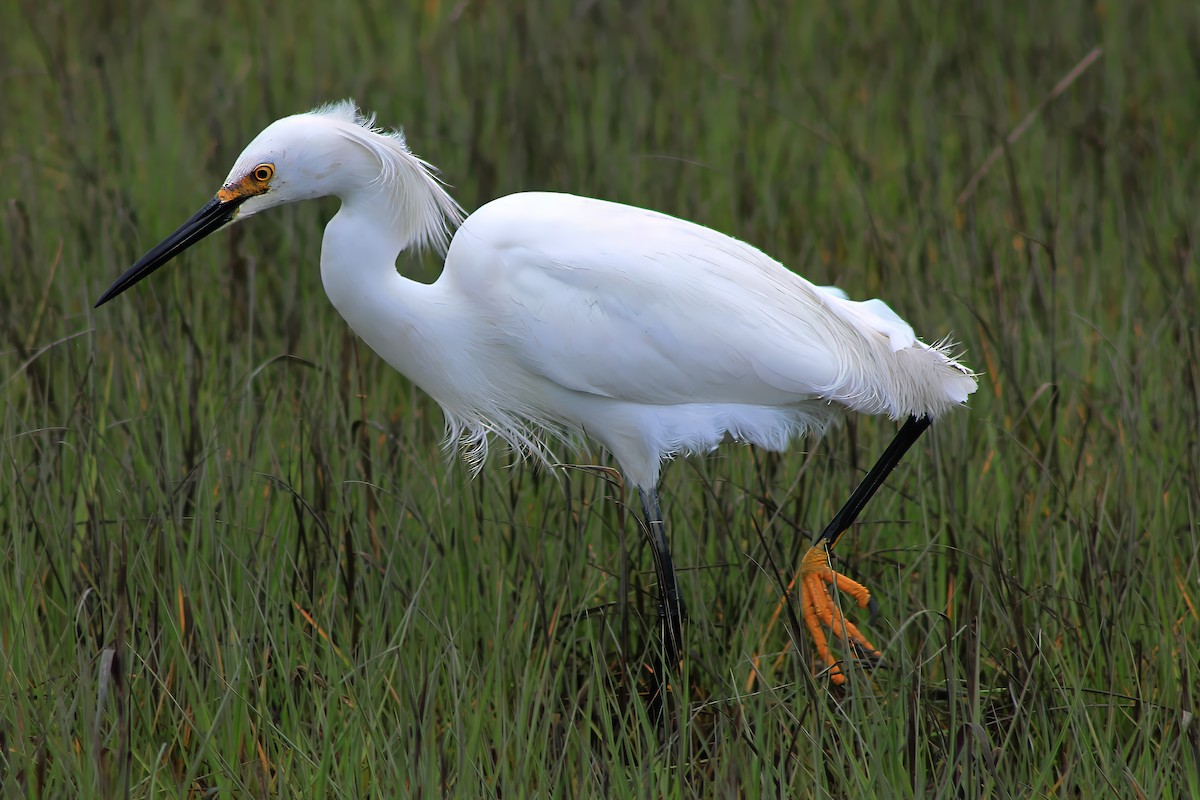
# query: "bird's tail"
[[901, 376]]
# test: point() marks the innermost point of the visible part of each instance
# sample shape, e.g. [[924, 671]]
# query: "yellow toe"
[[820, 611]]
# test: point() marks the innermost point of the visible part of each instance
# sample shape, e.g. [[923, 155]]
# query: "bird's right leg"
[[817, 576], [670, 604]]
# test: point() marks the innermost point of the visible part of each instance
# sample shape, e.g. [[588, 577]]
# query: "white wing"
[[628, 304]]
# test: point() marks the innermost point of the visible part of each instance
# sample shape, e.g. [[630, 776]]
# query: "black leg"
[[845, 517], [670, 605]]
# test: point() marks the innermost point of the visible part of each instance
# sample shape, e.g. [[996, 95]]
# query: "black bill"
[[215, 215]]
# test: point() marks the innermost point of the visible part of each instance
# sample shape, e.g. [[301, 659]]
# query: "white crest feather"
[[412, 181]]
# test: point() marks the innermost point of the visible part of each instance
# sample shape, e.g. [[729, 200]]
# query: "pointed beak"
[[216, 214]]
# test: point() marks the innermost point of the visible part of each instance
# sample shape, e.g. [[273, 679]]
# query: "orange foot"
[[816, 576]]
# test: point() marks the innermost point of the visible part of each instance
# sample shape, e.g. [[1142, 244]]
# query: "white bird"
[[559, 317]]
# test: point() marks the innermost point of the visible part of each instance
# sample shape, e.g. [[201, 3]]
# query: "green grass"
[[234, 561]]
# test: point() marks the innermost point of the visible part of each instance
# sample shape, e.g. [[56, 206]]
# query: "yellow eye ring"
[[263, 172]]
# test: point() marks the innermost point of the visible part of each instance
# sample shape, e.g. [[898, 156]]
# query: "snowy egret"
[[559, 317]]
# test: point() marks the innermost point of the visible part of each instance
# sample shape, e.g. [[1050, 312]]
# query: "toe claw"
[[820, 611]]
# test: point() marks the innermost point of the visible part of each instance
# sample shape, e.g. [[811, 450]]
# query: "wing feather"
[[628, 304]]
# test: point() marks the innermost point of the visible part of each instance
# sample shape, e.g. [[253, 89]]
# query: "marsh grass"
[[235, 562]]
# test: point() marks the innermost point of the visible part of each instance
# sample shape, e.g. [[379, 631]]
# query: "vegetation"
[[234, 560]]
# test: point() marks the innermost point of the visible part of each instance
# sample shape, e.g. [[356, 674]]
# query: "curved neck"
[[359, 252], [399, 318], [391, 202]]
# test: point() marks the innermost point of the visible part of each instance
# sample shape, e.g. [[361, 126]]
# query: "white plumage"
[[657, 336], [559, 316]]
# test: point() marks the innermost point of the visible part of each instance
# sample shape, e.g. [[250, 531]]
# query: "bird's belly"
[[640, 436]]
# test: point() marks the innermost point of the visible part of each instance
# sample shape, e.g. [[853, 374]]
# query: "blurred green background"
[[235, 562]]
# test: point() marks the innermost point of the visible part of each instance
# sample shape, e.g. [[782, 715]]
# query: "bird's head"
[[301, 157]]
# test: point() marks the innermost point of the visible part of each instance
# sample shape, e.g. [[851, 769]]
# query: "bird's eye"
[[264, 173]]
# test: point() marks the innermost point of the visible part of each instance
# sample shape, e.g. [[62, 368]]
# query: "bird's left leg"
[[670, 604], [816, 575]]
